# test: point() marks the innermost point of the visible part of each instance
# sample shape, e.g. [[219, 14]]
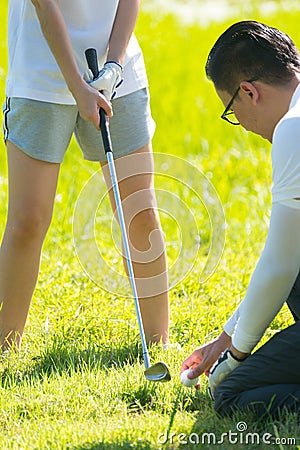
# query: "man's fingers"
[[185, 366], [195, 368], [189, 363], [193, 360], [197, 371]]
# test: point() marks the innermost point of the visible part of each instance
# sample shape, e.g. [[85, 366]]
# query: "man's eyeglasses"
[[228, 113]]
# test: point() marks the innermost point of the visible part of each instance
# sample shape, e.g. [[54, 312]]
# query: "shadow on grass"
[[115, 446], [65, 357], [241, 430], [189, 402]]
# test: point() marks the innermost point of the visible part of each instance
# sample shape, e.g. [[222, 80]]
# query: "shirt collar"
[[295, 97]]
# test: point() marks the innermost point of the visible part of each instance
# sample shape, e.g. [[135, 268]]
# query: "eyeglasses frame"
[[228, 110]]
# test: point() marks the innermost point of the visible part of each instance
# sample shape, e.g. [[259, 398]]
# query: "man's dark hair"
[[250, 50]]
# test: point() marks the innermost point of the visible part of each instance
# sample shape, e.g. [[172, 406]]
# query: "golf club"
[[158, 371]]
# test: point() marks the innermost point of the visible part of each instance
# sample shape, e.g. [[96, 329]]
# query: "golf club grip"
[[92, 60]]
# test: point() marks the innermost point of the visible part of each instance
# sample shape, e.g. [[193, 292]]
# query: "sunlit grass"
[[78, 382]]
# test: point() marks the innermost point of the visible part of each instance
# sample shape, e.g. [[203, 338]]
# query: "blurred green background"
[[78, 381]]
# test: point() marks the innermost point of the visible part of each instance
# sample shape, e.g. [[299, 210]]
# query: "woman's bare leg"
[[136, 175], [32, 186]]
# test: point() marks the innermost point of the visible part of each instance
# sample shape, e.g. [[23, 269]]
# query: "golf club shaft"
[[91, 56], [120, 213]]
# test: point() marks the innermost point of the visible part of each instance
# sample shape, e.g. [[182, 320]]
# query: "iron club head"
[[158, 372]]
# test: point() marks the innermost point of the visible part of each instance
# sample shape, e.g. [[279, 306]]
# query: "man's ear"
[[248, 88]]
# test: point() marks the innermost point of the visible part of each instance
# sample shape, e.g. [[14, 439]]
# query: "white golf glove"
[[222, 367], [108, 80]]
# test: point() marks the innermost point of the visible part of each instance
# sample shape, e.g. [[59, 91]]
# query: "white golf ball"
[[187, 381]]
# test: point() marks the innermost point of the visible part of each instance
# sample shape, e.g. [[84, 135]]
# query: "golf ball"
[[187, 381]]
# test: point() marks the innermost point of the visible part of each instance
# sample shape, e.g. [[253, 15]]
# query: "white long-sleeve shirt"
[[279, 264], [32, 69]]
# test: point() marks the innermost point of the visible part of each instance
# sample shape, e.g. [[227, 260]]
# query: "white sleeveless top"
[[32, 69]]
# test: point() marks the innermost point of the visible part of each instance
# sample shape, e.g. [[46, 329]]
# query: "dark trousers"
[[268, 381]]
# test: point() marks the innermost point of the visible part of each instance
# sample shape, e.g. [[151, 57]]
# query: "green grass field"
[[78, 381]]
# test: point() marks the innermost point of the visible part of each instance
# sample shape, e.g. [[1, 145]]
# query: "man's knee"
[[223, 400]]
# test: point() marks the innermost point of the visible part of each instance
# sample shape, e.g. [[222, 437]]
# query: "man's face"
[[249, 110]]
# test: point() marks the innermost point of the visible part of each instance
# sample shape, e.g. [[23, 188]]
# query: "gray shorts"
[[43, 130]]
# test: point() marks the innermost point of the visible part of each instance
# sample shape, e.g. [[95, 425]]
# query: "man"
[[47, 101], [256, 73]]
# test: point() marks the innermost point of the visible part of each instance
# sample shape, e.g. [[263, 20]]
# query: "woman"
[[48, 100]]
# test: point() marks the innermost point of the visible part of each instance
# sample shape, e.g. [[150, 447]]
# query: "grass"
[[78, 382]]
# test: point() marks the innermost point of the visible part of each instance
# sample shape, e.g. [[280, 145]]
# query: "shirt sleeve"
[[231, 323], [272, 279], [286, 161]]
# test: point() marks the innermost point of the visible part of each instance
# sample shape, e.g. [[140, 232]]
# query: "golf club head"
[[158, 372]]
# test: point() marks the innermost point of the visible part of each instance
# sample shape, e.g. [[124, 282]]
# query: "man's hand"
[[201, 360], [226, 363], [108, 80]]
